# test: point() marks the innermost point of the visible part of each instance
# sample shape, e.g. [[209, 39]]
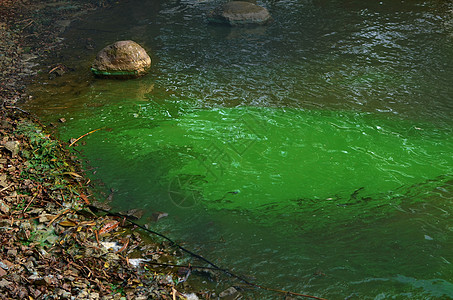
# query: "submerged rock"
[[240, 13], [230, 293], [156, 216], [123, 59]]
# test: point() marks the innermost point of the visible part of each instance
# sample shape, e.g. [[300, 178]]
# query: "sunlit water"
[[313, 154]]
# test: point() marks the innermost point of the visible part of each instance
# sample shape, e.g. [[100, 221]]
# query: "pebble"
[[3, 266], [4, 283], [4, 208], [11, 252], [230, 293]]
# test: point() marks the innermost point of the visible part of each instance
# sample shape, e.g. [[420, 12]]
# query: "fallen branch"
[[88, 133], [17, 108]]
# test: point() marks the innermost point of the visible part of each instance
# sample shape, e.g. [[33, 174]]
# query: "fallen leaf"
[[87, 223], [67, 223], [85, 198], [72, 174], [108, 227]]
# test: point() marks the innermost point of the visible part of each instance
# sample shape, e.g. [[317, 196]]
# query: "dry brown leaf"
[[85, 198], [67, 223], [87, 223], [72, 174], [108, 227]]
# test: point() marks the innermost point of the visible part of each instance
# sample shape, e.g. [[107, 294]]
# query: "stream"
[[313, 154]]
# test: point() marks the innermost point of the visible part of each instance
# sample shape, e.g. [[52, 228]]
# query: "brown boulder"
[[236, 13], [123, 59]]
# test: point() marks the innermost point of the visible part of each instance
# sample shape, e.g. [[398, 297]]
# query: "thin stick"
[[34, 197], [31, 22], [26, 207], [17, 108], [97, 237], [5, 188], [57, 67], [58, 215], [180, 266], [84, 136]]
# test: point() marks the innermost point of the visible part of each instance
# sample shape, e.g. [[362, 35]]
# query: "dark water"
[[313, 154]]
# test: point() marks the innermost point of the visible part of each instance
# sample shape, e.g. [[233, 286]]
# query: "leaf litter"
[[53, 246]]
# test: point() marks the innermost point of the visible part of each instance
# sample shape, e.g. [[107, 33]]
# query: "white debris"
[[136, 262], [191, 296], [427, 237], [111, 246]]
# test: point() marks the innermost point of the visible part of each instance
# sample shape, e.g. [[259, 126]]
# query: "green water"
[[314, 154]]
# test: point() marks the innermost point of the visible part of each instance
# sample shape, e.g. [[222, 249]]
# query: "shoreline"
[[53, 245], [59, 241]]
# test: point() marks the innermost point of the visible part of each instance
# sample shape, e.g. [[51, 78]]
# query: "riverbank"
[[53, 245]]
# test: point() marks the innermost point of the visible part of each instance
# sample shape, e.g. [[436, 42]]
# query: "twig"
[[62, 197], [23, 211], [57, 67], [17, 108], [124, 247], [31, 22], [97, 237], [180, 266], [5, 188], [173, 292], [32, 199], [76, 140], [59, 215]]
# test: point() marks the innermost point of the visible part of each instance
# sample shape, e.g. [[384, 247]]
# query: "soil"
[[55, 244]]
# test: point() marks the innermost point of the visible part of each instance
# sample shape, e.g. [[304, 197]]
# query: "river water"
[[313, 154]]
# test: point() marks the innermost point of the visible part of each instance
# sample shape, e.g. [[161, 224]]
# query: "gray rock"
[[230, 294], [62, 25], [123, 59], [4, 208], [13, 147], [238, 13], [4, 283], [134, 213], [156, 216]]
